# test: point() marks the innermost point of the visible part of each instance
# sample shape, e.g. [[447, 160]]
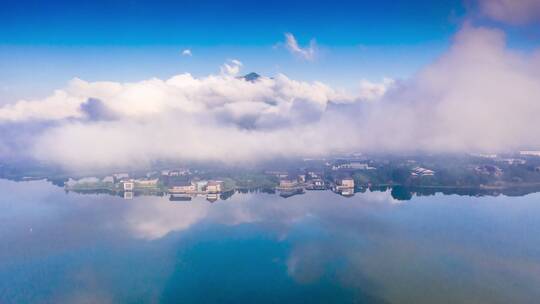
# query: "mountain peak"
[[251, 77]]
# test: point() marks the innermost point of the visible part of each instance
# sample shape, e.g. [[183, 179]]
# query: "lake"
[[319, 247]]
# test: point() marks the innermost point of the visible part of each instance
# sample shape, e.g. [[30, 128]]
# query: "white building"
[[345, 186], [419, 171], [346, 183], [318, 182], [287, 183], [513, 161], [347, 191], [128, 185], [181, 186], [353, 166], [147, 182], [120, 176], [214, 186], [530, 153], [201, 185], [484, 155]]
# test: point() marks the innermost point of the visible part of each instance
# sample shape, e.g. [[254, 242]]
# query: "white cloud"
[[104, 124], [478, 96], [187, 52], [232, 67], [152, 218], [307, 53], [374, 91], [511, 11], [214, 94], [59, 105]]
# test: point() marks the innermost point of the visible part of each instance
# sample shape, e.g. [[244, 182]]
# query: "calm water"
[[261, 248]]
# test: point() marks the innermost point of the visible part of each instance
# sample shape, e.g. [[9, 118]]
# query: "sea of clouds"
[[479, 96]]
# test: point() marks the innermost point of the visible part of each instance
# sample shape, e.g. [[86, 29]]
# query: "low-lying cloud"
[[516, 12], [478, 96], [307, 53]]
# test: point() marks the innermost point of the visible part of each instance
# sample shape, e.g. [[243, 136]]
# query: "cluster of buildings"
[[530, 153], [352, 166], [419, 171], [489, 170], [186, 186], [177, 183], [292, 184], [336, 175], [344, 186], [510, 159]]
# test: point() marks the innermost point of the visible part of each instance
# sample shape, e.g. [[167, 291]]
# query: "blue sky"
[[43, 44], [46, 43], [211, 23]]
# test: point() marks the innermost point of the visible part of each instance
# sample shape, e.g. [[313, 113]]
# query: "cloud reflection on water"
[[477, 248]]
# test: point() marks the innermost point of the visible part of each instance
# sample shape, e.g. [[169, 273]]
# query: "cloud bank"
[[307, 53], [219, 117], [479, 96], [515, 12]]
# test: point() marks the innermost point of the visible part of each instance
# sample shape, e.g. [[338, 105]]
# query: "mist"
[[479, 96]]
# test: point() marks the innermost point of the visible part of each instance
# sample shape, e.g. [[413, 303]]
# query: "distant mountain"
[[251, 77]]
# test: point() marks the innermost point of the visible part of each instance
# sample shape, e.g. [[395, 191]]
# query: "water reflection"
[[398, 192], [258, 247]]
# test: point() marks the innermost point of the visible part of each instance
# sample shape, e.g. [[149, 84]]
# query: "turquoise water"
[[58, 247]]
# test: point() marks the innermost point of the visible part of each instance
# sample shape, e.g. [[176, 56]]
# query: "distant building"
[[346, 183], [212, 197], [530, 153], [179, 172], [513, 161], [489, 170], [316, 184], [181, 186], [344, 186], [180, 197], [347, 192], [146, 182], [201, 185], [313, 174], [278, 174], [214, 186], [120, 176], [287, 183], [419, 171], [484, 155], [286, 193], [352, 166], [128, 185], [302, 178]]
